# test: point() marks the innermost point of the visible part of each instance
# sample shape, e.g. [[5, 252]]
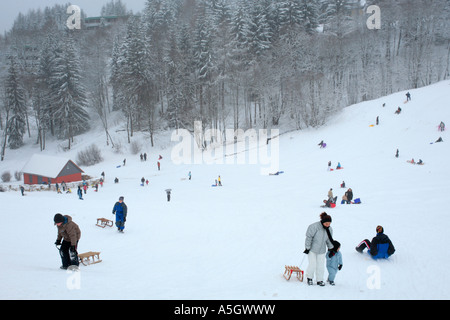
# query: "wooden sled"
[[90, 257], [291, 269], [102, 222]]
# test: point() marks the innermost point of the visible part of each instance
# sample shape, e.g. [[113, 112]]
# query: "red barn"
[[47, 169]]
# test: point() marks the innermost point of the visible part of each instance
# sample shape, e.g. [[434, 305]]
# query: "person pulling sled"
[[69, 232]]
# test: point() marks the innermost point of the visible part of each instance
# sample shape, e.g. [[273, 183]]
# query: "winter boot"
[[310, 282], [331, 282], [321, 283]]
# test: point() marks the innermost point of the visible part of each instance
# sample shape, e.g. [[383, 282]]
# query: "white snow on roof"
[[46, 166]]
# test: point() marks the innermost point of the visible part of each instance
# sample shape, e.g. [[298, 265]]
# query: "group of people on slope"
[[319, 238], [346, 198]]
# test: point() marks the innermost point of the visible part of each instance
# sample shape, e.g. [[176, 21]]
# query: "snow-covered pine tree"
[[68, 92], [16, 104]]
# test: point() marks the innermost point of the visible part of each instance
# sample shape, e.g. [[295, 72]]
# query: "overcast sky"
[[10, 9]]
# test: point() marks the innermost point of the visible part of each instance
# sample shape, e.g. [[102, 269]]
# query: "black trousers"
[[68, 257], [363, 245]]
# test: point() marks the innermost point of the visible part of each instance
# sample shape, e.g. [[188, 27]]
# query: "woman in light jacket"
[[318, 238]]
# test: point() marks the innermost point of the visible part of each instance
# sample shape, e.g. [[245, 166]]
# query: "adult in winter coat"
[[380, 247], [70, 234], [348, 197], [120, 210], [318, 238]]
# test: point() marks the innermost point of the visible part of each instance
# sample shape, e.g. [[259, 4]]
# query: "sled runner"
[[88, 258], [291, 269], [102, 222]]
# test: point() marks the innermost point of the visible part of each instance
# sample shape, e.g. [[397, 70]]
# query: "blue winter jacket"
[[381, 247]]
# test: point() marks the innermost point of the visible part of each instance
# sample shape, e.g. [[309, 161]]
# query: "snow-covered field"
[[232, 242]]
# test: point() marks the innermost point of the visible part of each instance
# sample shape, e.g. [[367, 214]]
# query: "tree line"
[[287, 64]]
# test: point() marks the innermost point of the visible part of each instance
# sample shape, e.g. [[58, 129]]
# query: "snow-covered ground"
[[232, 242]]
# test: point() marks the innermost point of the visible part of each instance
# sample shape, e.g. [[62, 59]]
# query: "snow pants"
[[120, 221], [316, 266], [68, 257]]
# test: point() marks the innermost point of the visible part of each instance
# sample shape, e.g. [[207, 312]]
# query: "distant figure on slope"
[[80, 193], [330, 194], [398, 110], [420, 162], [334, 262], [348, 196], [440, 140], [380, 247], [120, 209], [322, 144], [124, 162], [22, 190], [396, 154], [442, 126], [142, 181], [343, 184], [377, 121], [338, 166], [329, 166], [220, 181], [408, 96], [116, 180], [168, 192]]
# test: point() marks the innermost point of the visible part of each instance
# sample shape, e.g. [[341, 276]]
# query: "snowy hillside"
[[232, 242]]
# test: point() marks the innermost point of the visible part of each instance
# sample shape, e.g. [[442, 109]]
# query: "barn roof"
[[46, 166]]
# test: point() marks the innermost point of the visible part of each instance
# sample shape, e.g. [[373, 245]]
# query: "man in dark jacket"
[[70, 234], [380, 247], [349, 196], [120, 210]]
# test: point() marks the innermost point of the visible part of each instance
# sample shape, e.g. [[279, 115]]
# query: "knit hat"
[[325, 218], [121, 198], [58, 218], [380, 229], [336, 245]]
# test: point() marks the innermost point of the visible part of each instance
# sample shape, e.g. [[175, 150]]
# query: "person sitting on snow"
[[380, 247]]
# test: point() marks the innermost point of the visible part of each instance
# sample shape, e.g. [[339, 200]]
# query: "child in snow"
[[80, 193], [380, 247], [69, 232], [168, 191], [334, 262], [120, 209]]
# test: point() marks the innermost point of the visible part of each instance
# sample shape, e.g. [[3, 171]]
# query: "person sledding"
[[398, 110], [381, 247], [439, 140], [322, 144]]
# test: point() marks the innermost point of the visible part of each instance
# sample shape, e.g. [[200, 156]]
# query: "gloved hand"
[[58, 242], [331, 253], [306, 251], [340, 266]]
